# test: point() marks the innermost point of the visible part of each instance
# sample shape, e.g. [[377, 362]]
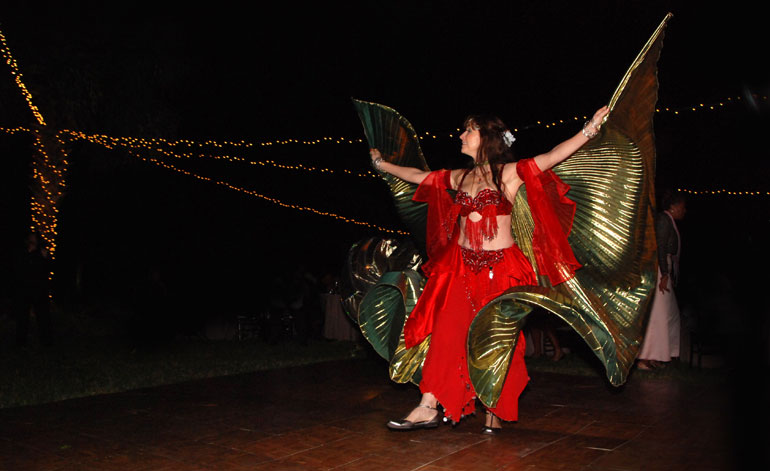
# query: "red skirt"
[[457, 288]]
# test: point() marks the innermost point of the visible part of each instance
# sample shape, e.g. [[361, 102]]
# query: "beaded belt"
[[478, 259]]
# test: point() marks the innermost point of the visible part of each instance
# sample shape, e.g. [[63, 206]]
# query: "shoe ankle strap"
[[426, 406]]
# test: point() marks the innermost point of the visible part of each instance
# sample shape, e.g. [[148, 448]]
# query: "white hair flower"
[[508, 138]]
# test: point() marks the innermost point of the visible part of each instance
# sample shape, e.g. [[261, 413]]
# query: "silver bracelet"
[[590, 134], [376, 164]]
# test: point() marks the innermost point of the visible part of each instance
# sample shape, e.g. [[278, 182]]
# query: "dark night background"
[[287, 71]]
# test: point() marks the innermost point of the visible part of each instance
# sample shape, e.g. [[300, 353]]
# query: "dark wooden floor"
[[332, 416]]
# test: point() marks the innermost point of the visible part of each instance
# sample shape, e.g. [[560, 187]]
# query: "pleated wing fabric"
[[396, 139]]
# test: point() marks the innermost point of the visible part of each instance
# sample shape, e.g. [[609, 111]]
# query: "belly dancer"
[[473, 259]]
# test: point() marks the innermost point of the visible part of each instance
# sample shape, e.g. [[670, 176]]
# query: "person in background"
[[661, 340]]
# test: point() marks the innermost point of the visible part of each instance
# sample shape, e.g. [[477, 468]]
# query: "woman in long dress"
[[661, 340], [473, 259]]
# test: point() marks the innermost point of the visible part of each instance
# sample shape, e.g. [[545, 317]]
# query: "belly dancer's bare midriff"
[[491, 252]]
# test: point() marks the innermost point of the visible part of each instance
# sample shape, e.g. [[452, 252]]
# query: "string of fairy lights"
[[269, 199], [49, 165], [166, 147], [49, 168], [157, 145], [6, 52], [111, 144]]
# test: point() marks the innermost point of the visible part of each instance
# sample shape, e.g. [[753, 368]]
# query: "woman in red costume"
[[471, 261]]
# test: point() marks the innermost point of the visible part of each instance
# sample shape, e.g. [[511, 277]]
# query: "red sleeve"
[[553, 214], [441, 226], [442, 212]]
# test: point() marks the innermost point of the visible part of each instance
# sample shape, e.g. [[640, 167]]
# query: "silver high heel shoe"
[[488, 429], [407, 425]]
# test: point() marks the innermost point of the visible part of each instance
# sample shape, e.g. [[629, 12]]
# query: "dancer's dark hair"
[[493, 148]]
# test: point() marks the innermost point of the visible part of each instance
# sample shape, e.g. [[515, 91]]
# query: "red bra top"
[[489, 204], [484, 198]]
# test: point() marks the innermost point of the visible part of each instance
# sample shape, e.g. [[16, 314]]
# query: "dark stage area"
[[332, 416]]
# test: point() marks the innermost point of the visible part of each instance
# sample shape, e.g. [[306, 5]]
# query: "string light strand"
[[17, 77], [105, 141], [266, 198]]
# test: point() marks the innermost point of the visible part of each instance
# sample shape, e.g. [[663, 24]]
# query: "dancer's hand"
[[600, 114], [410, 174], [562, 151]]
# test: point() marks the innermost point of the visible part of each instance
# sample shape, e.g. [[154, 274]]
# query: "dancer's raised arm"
[[409, 174], [571, 145]]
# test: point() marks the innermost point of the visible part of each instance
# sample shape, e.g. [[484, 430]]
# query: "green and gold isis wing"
[[612, 183], [383, 286], [396, 139], [606, 303], [367, 262]]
